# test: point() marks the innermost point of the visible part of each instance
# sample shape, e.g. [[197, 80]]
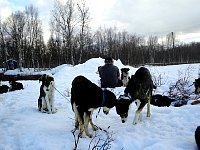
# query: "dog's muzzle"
[[124, 117], [106, 110], [123, 120]]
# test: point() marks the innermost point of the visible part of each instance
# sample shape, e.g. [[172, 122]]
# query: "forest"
[[73, 42]]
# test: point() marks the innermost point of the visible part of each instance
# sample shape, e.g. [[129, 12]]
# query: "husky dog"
[[139, 89], [46, 98], [125, 76], [85, 98], [197, 86]]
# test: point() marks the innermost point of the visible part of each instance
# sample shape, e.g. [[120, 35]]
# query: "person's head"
[[108, 60]]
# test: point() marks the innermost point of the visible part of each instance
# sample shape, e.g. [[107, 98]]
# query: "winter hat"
[[108, 60]]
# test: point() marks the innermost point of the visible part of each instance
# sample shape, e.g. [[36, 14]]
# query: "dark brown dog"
[[197, 86]]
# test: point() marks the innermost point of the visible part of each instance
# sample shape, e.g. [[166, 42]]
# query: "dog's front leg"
[[94, 127], [43, 105], [148, 107], [86, 123], [52, 105], [48, 105], [138, 114]]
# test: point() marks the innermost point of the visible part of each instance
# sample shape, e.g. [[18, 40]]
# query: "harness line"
[[61, 93]]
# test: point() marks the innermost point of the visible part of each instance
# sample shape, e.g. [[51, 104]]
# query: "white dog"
[[46, 98]]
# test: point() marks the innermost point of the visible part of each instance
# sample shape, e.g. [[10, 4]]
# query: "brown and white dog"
[[197, 85], [125, 76], [46, 98], [85, 98]]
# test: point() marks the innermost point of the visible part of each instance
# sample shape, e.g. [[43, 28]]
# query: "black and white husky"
[[140, 88], [125, 76], [46, 98]]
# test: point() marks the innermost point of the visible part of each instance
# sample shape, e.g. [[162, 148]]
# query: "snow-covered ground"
[[23, 127]]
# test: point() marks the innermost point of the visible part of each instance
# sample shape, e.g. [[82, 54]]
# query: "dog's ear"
[[51, 78], [42, 78], [133, 76], [195, 81]]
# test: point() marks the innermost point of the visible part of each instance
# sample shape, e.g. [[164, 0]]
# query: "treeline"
[[73, 42]]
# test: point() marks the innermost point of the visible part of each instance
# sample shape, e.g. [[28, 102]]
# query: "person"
[[109, 74]]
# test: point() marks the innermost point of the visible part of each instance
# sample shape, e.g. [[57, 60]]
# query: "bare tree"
[[15, 26], [64, 16], [83, 12], [33, 32], [152, 46], [170, 43], [3, 52], [99, 40]]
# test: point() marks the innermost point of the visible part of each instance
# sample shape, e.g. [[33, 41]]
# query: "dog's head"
[[47, 81], [110, 100], [197, 86], [12, 80], [125, 70], [122, 107]]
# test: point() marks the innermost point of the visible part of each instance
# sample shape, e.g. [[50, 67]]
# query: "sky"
[[23, 127], [143, 17]]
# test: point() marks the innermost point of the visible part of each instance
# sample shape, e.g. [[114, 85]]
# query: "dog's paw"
[[137, 118], [134, 122], [49, 112], [43, 111], [54, 110], [140, 117], [89, 135], [81, 135], [94, 128]]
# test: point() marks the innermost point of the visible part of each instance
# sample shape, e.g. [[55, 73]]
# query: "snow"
[[23, 127]]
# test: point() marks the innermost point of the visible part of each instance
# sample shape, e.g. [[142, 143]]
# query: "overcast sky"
[[144, 17]]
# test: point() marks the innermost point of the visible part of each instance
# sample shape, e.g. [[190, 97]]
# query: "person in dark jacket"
[[109, 74]]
